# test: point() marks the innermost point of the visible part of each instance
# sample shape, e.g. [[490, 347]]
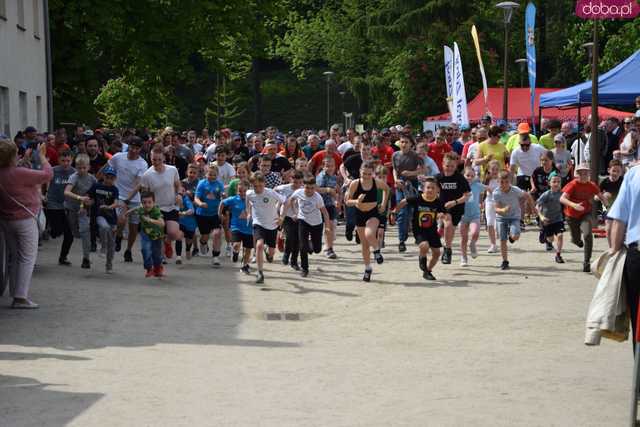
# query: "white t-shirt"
[[287, 190], [196, 148], [344, 147], [264, 207], [471, 155], [128, 172], [163, 186], [625, 145], [210, 154], [527, 161], [226, 173], [309, 207]]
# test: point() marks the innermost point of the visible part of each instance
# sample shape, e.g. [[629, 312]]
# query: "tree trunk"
[[257, 93]]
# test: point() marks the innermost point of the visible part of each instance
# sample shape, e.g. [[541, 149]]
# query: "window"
[[22, 98], [4, 111], [36, 19], [39, 112], [3, 10], [20, 14]]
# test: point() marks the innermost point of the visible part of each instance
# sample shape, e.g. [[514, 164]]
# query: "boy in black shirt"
[[105, 202], [426, 208], [454, 192], [610, 187]]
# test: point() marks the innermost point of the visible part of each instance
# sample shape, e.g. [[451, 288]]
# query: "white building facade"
[[23, 66]]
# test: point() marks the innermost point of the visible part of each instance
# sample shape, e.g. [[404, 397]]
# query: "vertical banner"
[[448, 77], [530, 42], [460, 113], [476, 42]]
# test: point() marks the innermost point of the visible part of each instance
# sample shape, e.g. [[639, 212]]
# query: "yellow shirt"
[[514, 141], [547, 141], [498, 151]]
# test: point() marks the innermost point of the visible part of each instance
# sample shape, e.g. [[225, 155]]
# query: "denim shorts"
[[508, 227]]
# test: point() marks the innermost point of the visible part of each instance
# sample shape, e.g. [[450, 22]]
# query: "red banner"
[[607, 9]]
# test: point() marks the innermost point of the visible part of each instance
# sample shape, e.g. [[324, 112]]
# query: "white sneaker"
[[473, 249], [492, 249], [204, 248], [215, 262], [178, 260], [253, 259], [463, 261], [227, 251]]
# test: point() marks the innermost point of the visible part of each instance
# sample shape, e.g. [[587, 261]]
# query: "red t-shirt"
[[465, 148], [437, 152], [316, 161], [581, 193], [385, 154]]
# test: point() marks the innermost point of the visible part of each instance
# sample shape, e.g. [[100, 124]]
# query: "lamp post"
[[522, 62], [508, 7], [594, 145], [328, 75], [342, 94]]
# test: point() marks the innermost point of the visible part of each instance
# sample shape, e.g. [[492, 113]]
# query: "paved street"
[[479, 347]]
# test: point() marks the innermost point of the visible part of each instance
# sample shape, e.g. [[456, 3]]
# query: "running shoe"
[[178, 260], [378, 256], [586, 267], [24, 305], [464, 261], [118, 243], [559, 259], [235, 256], [260, 277], [268, 256], [422, 262], [295, 266], [159, 271], [285, 259], [168, 250], [348, 234], [504, 265], [304, 273], [329, 253], [150, 273], [64, 261], [204, 248], [428, 275], [127, 256], [85, 263], [549, 246], [402, 247], [245, 269], [473, 249], [492, 249], [446, 256], [227, 251], [215, 262], [367, 275]]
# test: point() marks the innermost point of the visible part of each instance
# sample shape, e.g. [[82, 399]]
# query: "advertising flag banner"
[[476, 42], [460, 113], [448, 76], [530, 42]]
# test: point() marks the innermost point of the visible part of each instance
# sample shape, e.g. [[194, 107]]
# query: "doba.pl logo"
[[607, 9]]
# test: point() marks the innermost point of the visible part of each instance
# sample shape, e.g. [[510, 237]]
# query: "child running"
[[311, 212], [382, 173], [188, 226], [609, 187], [208, 195], [427, 207], [492, 182], [262, 206], [290, 222], [470, 222], [507, 201], [151, 234], [550, 213], [235, 209], [327, 186], [56, 217], [105, 201]]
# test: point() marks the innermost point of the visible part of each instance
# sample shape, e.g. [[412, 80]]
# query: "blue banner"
[[530, 42]]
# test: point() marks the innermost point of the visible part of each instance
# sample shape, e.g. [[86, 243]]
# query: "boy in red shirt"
[[577, 197], [438, 149]]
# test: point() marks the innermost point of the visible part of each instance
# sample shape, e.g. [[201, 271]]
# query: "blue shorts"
[[470, 219], [507, 227]]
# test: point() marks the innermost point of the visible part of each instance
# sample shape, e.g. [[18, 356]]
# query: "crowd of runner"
[[240, 196]]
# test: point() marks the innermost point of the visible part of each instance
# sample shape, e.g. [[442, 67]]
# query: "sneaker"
[[492, 249], [168, 250], [295, 266], [367, 275], [25, 304], [253, 259], [586, 267], [64, 261], [348, 234], [304, 273], [464, 262], [579, 243], [542, 238], [227, 251], [127, 256], [204, 248], [422, 262], [85, 263], [118, 243], [504, 265], [215, 262], [285, 259], [150, 273], [268, 256], [446, 256], [187, 255], [428, 275], [331, 254], [195, 252], [378, 256], [159, 271], [511, 240], [179, 260], [559, 259], [108, 269], [473, 250], [245, 269], [549, 246], [235, 257], [402, 247], [260, 277], [94, 247]]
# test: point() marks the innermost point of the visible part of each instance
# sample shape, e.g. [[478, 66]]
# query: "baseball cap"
[[524, 128], [559, 139], [88, 132], [465, 128], [583, 167], [199, 157], [108, 170], [30, 129], [135, 141], [486, 117], [501, 122]]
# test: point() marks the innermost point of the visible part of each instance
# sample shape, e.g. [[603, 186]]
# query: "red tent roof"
[[519, 107]]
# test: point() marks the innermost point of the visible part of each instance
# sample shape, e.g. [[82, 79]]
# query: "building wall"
[[23, 65]]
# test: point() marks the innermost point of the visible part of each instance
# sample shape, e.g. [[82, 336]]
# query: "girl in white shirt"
[[492, 182]]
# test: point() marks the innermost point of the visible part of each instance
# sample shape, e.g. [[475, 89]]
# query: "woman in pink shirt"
[[20, 202]]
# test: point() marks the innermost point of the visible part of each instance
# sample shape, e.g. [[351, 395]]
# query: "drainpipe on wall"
[[47, 44]]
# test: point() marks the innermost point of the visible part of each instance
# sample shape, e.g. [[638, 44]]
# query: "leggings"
[[107, 237], [79, 223], [579, 228], [291, 245], [304, 231], [631, 283]]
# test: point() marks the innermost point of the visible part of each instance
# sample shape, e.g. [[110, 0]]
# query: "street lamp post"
[[594, 145], [328, 75], [522, 62], [508, 7], [342, 94]]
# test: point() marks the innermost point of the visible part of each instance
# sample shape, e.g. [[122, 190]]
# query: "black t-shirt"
[[104, 195], [541, 179], [350, 152], [280, 164], [243, 152], [613, 187], [352, 165], [451, 188], [184, 156], [425, 214]]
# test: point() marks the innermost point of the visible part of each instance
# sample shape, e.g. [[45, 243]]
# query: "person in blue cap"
[[105, 201]]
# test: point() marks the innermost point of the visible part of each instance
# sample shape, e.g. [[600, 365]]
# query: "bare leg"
[[464, 238], [366, 251], [435, 257]]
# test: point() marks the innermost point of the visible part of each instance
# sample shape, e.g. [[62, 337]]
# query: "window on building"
[[36, 18], [3, 10], [39, 112], [20, 14], [24, 118], [4, 111]]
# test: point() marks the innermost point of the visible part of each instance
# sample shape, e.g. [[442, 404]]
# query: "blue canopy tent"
[[618, 86]]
